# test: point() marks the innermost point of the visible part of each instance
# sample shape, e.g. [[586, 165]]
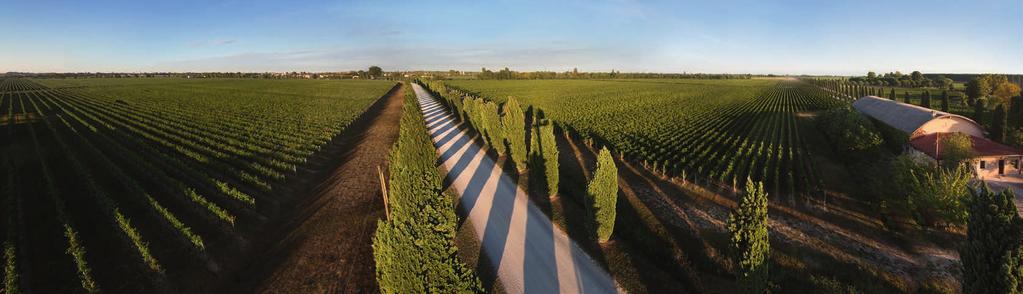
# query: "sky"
[[720, 36]]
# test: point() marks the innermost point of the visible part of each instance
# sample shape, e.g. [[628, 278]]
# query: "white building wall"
[[949, 125]]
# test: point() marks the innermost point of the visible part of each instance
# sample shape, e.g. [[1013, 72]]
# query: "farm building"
[[925, 128]]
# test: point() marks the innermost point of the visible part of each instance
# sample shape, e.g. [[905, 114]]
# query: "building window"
[[982, 164]]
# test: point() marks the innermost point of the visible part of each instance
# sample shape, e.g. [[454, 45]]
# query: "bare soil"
[[321, 242]]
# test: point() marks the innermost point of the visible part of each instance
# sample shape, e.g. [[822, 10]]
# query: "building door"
[[1001, 166]]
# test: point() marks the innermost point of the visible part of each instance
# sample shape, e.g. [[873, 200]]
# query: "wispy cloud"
[[211, 43]]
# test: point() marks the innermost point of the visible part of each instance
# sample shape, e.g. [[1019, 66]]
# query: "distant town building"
[[925, 127]]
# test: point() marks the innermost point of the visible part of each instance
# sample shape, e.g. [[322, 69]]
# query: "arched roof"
[[902, 116]]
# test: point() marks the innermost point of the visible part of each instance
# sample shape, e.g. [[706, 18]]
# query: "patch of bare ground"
[[321, 241]]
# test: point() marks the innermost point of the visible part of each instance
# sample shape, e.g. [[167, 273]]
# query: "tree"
[[978, 110], [917, 75], [375, 72], [944, 100], [547, 150], [956, 149], [977, 88], [492, 127], [907, 99], [942, 191], [749, 245], [514, 121], [1004, 91], [892, 95], [414, 250], [1016, 111], [871, 75], [603, 193], [925, 99], [991, 254], [848, 130], [999, 123]]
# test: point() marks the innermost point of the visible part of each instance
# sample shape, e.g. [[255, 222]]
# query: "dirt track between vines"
[[324, 245]]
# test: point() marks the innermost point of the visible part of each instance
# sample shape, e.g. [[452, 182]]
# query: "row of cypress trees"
[[414, 249], [541, 157]]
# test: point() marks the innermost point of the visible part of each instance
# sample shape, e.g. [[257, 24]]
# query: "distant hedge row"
[[415, 250]]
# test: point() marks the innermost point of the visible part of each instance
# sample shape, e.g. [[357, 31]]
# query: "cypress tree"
[[978, 111], [547, 150], [892, 95], [906, 98], [492, 126], [991, 254], [603, 193], [944, 101], [750, 246], [999, 123], [514, 121], [925, 100]]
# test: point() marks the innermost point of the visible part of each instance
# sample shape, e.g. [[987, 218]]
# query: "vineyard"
[[134, 185], [718, 131]]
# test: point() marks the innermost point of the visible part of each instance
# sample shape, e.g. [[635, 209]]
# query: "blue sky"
[[786, 37]]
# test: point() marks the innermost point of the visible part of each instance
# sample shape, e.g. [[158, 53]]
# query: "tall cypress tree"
[[978, 111], [514, 121], [991, 254], [892, 95], [906, 98], [944, 101], [603, 193], [925, 100], [750, 246], [999, 122]]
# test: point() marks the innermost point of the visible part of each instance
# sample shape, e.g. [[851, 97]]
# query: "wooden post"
[[383, 192]]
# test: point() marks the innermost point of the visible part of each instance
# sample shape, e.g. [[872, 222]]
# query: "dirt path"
[[324, 246], [530, 254]]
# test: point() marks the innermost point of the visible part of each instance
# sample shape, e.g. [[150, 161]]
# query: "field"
[[718, 131], [135, 185]]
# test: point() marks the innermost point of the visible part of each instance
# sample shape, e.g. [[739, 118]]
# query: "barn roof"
[[905, 117], [982, 147]]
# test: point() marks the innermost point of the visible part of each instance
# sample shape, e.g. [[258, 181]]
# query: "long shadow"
[[277, 243]]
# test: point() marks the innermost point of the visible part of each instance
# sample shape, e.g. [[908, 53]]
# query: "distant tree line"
[[373, 72], [506, 74]]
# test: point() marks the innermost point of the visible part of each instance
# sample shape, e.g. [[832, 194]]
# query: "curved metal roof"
[[905, 117]]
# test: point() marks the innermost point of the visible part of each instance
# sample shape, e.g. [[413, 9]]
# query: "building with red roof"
[[926, 127]]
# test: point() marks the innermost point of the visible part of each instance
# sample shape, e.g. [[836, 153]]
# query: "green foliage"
[[514, 121], [849, 131], [956, 149], [977, 88], [992, 252], [549, 152], [749, 245], [999, 123], [979, 107], [925, 100], [492, 127], [603, 193], [415, 250], [941, 191], [944, 101]]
